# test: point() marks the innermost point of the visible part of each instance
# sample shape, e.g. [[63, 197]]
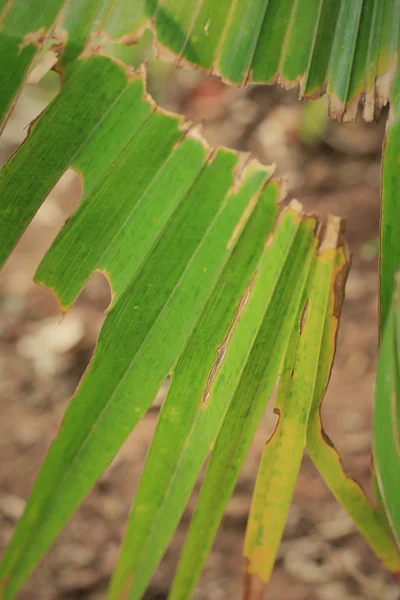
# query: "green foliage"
[[24, 27], [213, 282], [342, 46], [243, 417], [232, 382], [390, 212], [387, 416]]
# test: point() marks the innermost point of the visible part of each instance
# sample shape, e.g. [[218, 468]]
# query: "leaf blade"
[[386, 444], [174, 461], [370, 520], [24, 29], [242, 417], [281, 458]]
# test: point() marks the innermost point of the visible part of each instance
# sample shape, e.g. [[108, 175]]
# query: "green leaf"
[[174, 462], [281, 458], [24, 27], [162, 216], [80, 19], [246, 407], [56, 139], [203, 385], [156, 310], [29, 28], [390, 211], [345, 48], [369, 519], [98, 24], [163, 255], [386, 429]]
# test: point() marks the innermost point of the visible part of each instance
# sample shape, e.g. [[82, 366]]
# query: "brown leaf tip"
[[332, 234]]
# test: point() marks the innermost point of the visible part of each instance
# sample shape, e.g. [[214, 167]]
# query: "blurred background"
[[330, 168]]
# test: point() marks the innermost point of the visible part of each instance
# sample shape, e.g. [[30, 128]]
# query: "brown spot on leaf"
[[303, 320], [277, 412], [332, 234], [222, 349], [33, 37], [326, 438], [126, 587], [253, 586], [340, 284]]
